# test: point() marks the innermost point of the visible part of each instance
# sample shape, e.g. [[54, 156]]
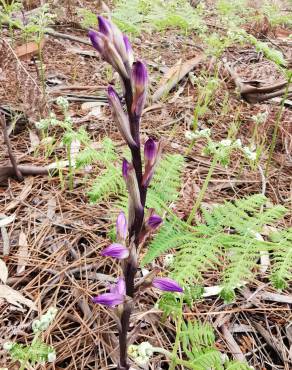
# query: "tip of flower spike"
[[167, 285], [104, 25], [109, 299], [116, 250]]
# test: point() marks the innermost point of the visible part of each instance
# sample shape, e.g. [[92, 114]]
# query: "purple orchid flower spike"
[[140, 81], [167, 285], [116, 250], [154, 221], [121, 227], [120, 116]]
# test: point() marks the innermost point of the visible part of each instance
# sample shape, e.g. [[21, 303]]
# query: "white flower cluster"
[[8, 346], [191, 135], [44, 322], [250, 154], [52, 356], [141, 353], [43, 124], [62, 103], [229, 143], [260, 117]]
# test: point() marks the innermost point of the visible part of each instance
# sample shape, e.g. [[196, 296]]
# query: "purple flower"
[[120, 116], [154, 221], [96, 40], [167, 285], [119, 287], [114, 297], [150, 150], [105, 26], [125, 168], [140, 80], [129, 50], [116, 250], [139, 76], [109, 299], [122, 227]]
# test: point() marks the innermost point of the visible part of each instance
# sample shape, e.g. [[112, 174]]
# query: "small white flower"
[[7, 346], [145, 349], [62, 102], [189, 135], [249, 153], [52, 356], [168, 259], [226, 142], [238, 143], [142, 361]]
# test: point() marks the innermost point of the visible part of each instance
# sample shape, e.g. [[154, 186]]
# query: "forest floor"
[[51, 246]]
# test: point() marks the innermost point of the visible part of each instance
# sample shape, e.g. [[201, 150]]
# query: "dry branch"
[[15, 168], [253, 92]]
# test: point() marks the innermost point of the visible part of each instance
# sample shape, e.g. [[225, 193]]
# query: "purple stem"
[[130, 268]]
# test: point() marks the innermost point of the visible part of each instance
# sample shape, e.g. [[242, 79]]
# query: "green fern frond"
[[166, 182], [169, 236], [282, 259], [198, 344], [109, 183], [227, 238], [237, 365], [86, 157], [197, 335]]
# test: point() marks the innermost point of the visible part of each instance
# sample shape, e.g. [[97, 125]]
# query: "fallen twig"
[[15, 168], [252, 92]]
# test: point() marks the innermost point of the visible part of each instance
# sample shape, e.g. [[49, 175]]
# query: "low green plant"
[[225, 238], [7, 9], [198, 344], [37, 352], [34, 29], [135, 16], [70, 138]]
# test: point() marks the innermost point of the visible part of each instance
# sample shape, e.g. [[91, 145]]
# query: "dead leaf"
[[173, 76], [14, 297], [51, 208], [23, 195], [28, 49], [3, 271], [23, 253], [34, 140], [6, 220]]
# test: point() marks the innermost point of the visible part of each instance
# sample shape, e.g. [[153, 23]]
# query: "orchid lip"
[[116, 250], [109, 299], [154, 221]]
